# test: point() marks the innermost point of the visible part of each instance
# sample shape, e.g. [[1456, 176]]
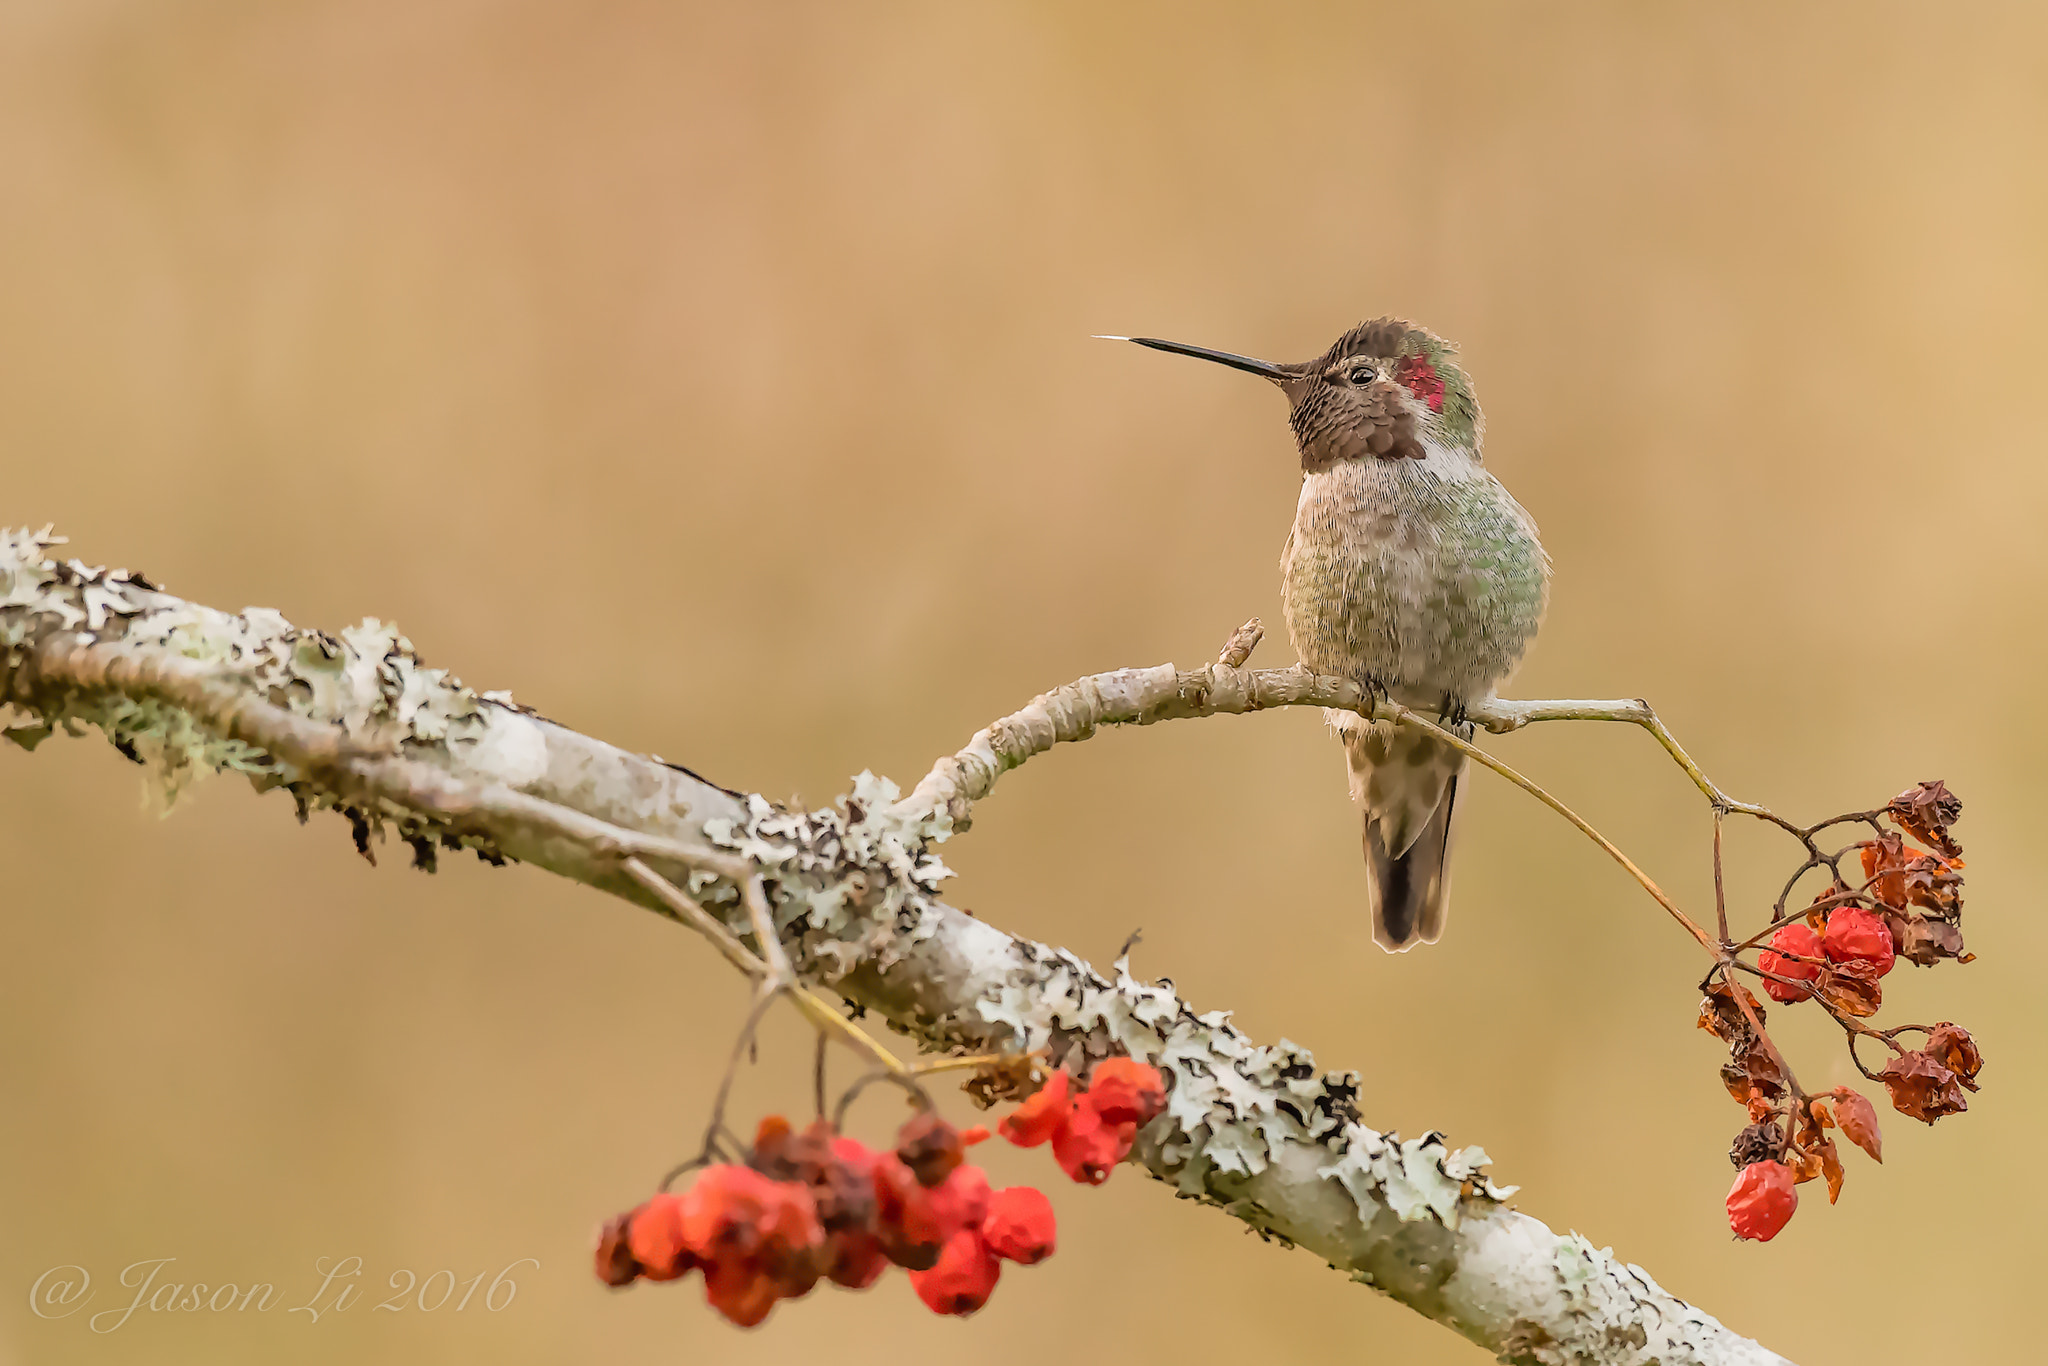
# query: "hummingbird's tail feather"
[[1410, 894], [1406, 784]]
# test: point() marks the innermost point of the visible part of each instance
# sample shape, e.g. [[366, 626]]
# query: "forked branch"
[[847, 896]]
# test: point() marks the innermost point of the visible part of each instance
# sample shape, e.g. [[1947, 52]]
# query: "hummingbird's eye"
[[1360, 374]]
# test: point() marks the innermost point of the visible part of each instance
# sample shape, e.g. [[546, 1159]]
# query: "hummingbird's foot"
[[1451, 715], [1375, 693]]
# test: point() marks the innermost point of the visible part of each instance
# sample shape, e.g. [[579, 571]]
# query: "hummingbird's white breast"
[[1423, 576]]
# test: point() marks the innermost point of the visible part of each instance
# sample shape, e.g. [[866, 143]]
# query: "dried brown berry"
[[1924, 940], [1927, 810], [930, 1147], [1922, 1087], [615, 1263], [1884, 862], [1957, 1050], [1763, 1142], [1850, 987]]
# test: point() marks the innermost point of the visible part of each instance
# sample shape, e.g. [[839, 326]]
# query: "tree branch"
[[356, 723], [1140, 697]]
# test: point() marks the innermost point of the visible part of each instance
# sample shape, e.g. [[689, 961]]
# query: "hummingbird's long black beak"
[[1264, 368]]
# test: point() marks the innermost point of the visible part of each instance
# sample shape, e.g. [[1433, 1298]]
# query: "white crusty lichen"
[[1255, 1129], [852, 882], [1234, 1106], [367, 680]]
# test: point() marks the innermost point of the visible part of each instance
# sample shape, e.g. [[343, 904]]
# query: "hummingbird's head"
[[1376, 393]]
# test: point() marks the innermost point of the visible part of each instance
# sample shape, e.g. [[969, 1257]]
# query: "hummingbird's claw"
[[1375, 693]]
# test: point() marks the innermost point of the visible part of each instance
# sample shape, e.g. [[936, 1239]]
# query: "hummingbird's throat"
[[1418, 372]]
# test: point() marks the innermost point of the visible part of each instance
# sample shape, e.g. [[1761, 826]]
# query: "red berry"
[[1088, 1146], [962, 1279], [854, 1153], [1040, 1117], [973, 1134], [771, 1139], [792, 1240], [1794, 938], [741, 1290], [1762, 1200], [913, 1222], [654, 1233], [734, 1215], [963, 1198], [1019, 1225], [1854, 933], [722, 1209], [1125, 1090], [854, 1258]]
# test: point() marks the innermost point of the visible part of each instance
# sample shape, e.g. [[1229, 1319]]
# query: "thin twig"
[[762, 1000], [976, 1060], [818, 1077], [697, 918], [1400, 713], [777, 972], [765, 934], [1242, 642], [1143, 696], [901, 1078], [1720, 894]]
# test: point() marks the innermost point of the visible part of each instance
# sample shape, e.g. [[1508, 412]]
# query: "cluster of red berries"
[[1844, 946], [814, 1204], [1849, 942], [1093, 1131], [1909, 906], [1764, 1196]]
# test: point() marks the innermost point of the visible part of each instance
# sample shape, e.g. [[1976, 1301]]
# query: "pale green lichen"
[[368, 680], [852, 881], [854, 884]]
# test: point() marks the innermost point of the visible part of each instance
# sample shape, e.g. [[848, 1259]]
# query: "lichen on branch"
[[356, 722]]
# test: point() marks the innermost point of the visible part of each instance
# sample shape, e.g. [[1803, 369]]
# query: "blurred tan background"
[[718, 379]]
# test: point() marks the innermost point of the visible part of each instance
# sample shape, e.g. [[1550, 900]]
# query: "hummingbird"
[[1410, 570]]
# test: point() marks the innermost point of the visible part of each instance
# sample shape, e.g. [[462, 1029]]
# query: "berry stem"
[[960, 1064], [776, 974], [1720, 893], [1763, 1036]]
